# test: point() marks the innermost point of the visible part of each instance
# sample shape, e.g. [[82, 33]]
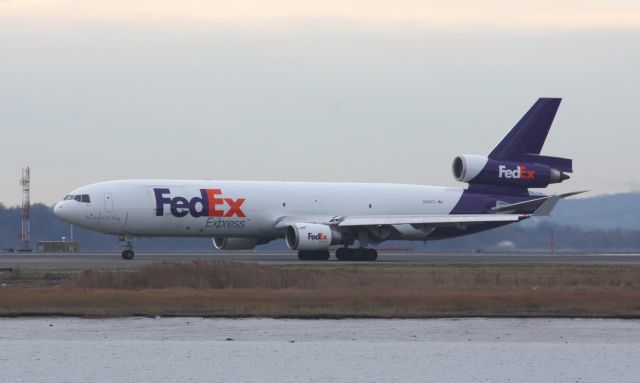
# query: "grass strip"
[[238, 289]]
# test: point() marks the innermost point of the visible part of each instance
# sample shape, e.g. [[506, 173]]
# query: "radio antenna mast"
[[25, 208]]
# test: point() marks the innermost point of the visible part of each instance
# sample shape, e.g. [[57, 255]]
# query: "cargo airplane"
[[312, 217]]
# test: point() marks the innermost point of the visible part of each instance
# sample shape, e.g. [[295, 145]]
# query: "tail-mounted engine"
[[532, 171]]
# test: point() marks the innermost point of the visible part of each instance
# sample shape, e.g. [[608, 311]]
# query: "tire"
[[370, 255], [359, 254], [128, 254], [342, 254], [322, 255], [314, 255]]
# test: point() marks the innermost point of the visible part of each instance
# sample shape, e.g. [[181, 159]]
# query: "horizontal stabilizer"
[[513, 207], [547, 206], [544, 208], [559, 163]]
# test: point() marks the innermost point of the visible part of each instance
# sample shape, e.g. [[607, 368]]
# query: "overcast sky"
[[365, 91]]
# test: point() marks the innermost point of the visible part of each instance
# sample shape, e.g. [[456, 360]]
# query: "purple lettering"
[[161, 200], [179, 207]]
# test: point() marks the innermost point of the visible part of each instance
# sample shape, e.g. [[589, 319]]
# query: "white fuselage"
[[243, 209]]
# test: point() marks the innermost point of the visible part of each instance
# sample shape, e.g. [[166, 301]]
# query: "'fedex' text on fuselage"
[[210, 203]]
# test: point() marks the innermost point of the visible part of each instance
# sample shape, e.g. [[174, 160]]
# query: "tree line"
[[45, 226]]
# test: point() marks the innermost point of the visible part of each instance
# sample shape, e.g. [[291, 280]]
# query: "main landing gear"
[[127, 252], [357, 254], [342, 254], [313, 255]]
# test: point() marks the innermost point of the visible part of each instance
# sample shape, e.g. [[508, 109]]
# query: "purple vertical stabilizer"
[[529, 134], [516, 164]]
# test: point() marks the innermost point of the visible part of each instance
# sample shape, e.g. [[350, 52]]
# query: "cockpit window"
[[84, 198]]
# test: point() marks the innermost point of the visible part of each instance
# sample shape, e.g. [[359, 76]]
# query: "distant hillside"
[[600, 223], [615, 211]]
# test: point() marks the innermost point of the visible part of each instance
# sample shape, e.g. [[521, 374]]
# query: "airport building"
[[58, 246]]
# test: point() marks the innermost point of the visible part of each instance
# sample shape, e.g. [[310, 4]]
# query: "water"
[[269, 350]]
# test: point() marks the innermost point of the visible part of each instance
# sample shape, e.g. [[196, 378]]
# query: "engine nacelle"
[[475, 169], [311, 236], [225, 243], [467, 167]]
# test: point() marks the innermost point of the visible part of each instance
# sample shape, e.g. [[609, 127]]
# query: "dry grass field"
[[250, 290]]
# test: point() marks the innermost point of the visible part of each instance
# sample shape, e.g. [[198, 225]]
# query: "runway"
[[113, 260]]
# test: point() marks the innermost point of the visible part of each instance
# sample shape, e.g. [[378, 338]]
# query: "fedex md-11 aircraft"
[[313, 216]]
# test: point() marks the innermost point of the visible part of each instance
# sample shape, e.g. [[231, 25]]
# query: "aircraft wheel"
[[363, 254], [342, 254], [321, 255], [370, 255], [127, 254], [306, 255], [358, 254], [314, 255]]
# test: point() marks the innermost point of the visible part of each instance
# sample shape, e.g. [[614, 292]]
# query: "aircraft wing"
[[503, 213], [417, 220], [435, 220]]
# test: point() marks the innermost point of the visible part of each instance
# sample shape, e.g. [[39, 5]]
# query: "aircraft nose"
[[61, 211]]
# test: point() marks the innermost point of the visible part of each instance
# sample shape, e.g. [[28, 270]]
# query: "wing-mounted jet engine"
[[312, 240]]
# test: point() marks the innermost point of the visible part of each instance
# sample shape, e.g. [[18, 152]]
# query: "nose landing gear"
[[127, 252]]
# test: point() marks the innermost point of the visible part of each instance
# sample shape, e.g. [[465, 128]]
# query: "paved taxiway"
[[113, 260]]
